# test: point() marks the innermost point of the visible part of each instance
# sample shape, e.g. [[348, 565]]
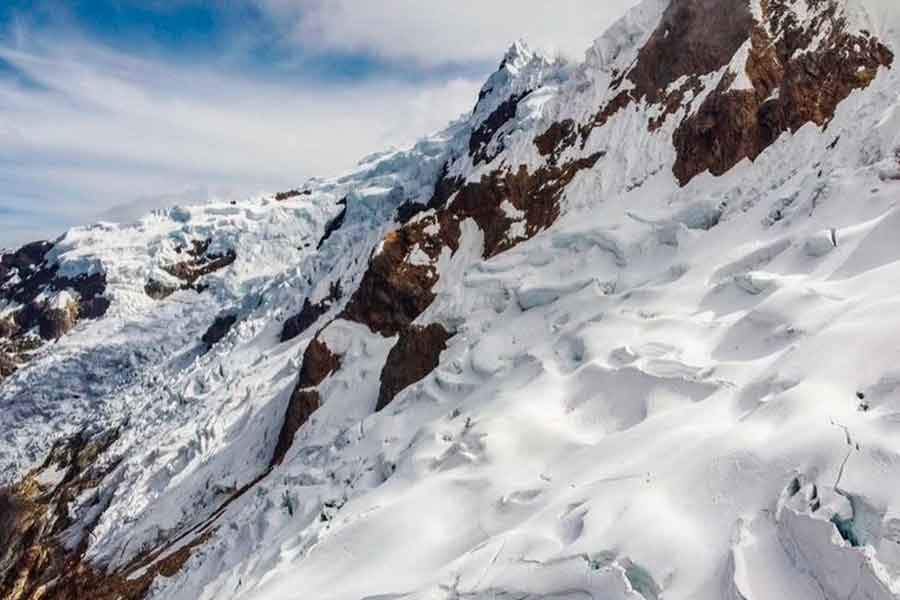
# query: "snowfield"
[[673, 392]]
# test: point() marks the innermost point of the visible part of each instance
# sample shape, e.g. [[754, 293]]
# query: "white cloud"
[[439, 32], [101, 128]]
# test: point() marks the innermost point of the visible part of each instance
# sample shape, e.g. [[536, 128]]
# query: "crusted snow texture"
[[627, 331]]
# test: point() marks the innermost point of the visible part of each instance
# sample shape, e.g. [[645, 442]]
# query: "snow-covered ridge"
[[547, 370]]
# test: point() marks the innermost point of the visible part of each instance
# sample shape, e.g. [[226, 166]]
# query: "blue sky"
[[121, 105]]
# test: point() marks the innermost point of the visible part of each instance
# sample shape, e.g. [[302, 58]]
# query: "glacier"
[[649, 387]]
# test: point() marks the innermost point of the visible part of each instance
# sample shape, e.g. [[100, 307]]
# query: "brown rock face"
[[53, 323], [309, 314], [484, 134], [199, 262], [218, 330], [556, 139], [301, 406], [33, 563], [8, 364], [25, 278], [791, 87], [318, 363], [693, 38], [536, 195], [794, 81], [335, 224], [282, 196], [416, 354], [394, 291]]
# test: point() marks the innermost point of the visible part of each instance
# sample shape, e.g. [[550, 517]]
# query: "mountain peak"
[[517, 56]]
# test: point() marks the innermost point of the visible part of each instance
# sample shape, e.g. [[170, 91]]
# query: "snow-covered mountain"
[[625, 331]]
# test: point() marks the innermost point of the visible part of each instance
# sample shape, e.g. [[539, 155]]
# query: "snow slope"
[[674, 391]]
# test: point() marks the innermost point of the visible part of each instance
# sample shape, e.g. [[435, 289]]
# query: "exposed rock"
[[479, 143], [157, 290], [444, 189], [8, 365], [335, 223], [318, 363], [301, 406], [408, 210], [200, 262], [693, 38], [53, 323], [791, 86], [218, 330], [556, 139], [799, 71], [42, 301], [34, 565], [395, 291], [309, 314], [26, 258], [536, 195], [15, 352], [282, 196], [92, 303], [416, 354]]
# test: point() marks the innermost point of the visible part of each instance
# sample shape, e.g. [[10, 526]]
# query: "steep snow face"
[[531, 356]]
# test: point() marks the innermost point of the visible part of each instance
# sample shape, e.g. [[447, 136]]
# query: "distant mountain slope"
[[626, 331]]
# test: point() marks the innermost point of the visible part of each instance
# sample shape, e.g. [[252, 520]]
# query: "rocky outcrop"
[[160, 291], [8, 364], [335, 224], [282, 196], [509, 207], [41, 304], [796, 77], [53, 323], [416, 354], [198, 263], [556, 139], [793, 67], [394, 291], [218, 330], [301, 406], [318, 363], [480, 143], [310, 313], [693, 38], [34, 518]]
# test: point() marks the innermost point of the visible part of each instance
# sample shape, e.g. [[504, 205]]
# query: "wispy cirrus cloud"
[[85, 128], [442, 32]]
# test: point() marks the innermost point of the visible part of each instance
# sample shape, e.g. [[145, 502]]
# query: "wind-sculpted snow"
[[547, 368]]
